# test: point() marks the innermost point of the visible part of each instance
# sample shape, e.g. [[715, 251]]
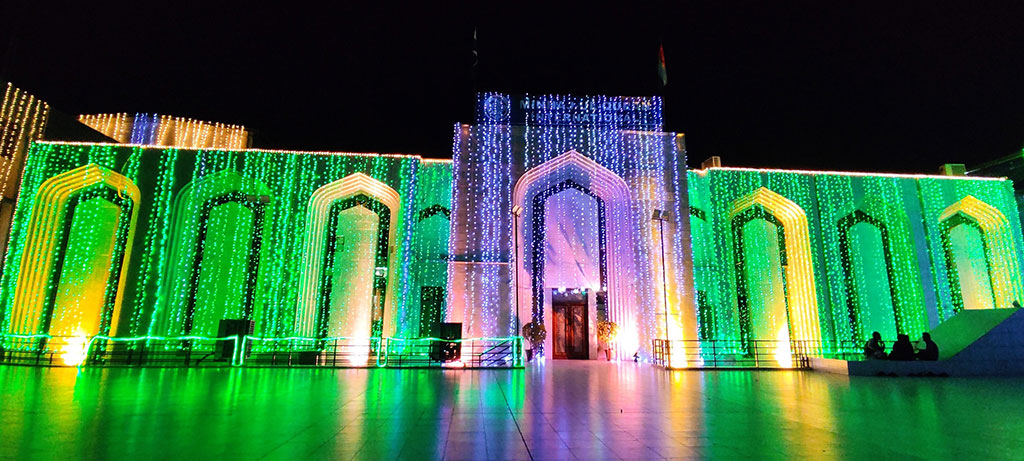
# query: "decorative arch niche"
[[224, 198], [431, 267], [321, 220], [853, 306], [795, 257], [998, 248], [48, 300]]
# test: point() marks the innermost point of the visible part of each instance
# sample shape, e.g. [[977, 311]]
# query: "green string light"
[[876, 244]]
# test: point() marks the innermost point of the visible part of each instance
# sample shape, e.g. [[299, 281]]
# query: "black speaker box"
[[231, 327], [447, 351]]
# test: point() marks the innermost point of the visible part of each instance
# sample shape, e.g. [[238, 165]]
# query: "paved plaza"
[[563, 410]]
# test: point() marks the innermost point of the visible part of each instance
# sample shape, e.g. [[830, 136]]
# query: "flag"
[[662, 71], [476, 54], [474, 68]]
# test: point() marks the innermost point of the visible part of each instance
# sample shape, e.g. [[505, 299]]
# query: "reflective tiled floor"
[[564, 410]]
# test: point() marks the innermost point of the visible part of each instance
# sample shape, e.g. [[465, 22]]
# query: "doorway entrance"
[[354, 276], [569, 324]]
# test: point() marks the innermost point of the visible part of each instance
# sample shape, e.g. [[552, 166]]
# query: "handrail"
[[234, 338], [735, 353], [483, 351], [90, 342], [503, 343]]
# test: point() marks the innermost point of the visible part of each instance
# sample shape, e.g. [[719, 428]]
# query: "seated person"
[[902, 349], [874, 348], [930, 351]]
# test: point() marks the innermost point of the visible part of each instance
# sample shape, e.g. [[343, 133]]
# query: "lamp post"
[[662, 216], [516, 212]]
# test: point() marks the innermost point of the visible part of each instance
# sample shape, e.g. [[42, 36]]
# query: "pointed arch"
[[431, 268], [899, 255], [998, 248], [853, 295], [613, 191], [315, 242], [190, 219], [795, 246], [46, 241]]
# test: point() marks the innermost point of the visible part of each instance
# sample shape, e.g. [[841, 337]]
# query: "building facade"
[[560, 211]]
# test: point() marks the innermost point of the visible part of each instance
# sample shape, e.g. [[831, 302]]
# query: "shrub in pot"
[[536, 334], [607, 331]]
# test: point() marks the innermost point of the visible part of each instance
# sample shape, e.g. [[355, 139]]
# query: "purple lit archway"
[[614, 193]]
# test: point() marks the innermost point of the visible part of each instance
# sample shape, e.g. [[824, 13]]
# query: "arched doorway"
[[72, 268], [613, 294], [350, 221], [218, 226], [869, 277], [570, 320], [353, 281], [776, 294], [967, 263], [980, 256]]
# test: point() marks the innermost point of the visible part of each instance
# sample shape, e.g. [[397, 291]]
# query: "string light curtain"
[[251, 208], [23, 120], [874, 243], [166, 130], [133, 240], [611, 147]]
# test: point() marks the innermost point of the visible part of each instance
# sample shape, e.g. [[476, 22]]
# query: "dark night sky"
[[881, 86]]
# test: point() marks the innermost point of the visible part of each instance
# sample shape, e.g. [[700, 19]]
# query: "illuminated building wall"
[[165, 130], [550, 203], [429, 257], [587, 174], [833, 256], [22, 121], [132, 240]]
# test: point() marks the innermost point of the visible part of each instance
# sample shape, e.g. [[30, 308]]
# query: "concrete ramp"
[[967, 327], [973, 343]]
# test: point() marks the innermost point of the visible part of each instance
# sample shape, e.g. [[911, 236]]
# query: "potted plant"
[[607, 331], [535, 333]]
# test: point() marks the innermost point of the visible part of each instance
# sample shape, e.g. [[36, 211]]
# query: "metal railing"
[[105, 351], [254, 351], [39, 350], [735, 354], [179, 352], [464, 353], [299, 351]]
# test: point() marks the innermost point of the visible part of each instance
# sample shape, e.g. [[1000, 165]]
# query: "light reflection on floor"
[[565, 410]]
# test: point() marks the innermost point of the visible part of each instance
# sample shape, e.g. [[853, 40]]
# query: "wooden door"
[[569, 324]]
